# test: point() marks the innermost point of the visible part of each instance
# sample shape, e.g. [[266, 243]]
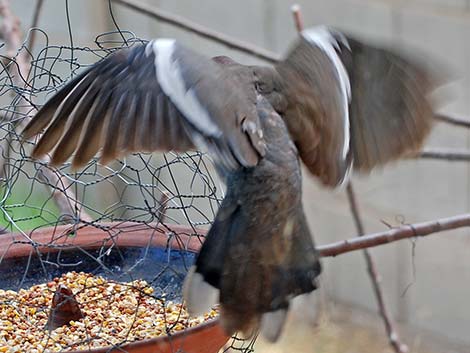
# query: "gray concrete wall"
[[429, 290]]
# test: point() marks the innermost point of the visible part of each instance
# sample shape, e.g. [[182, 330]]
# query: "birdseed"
[[114, 313]]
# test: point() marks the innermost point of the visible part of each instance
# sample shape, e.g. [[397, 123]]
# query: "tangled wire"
[[140, 207]]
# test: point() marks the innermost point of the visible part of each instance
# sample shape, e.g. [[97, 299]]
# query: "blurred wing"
[[318, 93], [158, 96], [391, 112], [351, 104]]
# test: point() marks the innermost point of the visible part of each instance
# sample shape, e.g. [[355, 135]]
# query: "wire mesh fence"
[[102, 250]]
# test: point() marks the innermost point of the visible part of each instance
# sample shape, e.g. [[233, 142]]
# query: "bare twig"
[[451, 155], [11, 30], [34, 24], [163, 206], [453, 120], [12, 35], [299, 23], [374, 275], [62, 193], [202, 31], [405, 232]]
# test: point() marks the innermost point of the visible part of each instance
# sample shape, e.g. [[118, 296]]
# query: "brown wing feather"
[[74, 124], [42, 118], [96, 122], [390, 112], [119, 106], [314, 112], [58, 116]]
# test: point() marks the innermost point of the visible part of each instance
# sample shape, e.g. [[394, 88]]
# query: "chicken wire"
[[140, 190]]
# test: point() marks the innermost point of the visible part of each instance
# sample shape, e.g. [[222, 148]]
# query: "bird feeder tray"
[[115, 251]]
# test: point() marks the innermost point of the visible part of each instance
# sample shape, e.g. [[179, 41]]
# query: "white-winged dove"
[[335, 102]]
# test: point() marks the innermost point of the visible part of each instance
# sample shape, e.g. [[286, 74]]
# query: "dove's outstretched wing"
[[352, 105], [259, 252], [158, 96], [391, 111]]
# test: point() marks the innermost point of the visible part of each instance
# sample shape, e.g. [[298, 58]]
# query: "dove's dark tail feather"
[[253, 272]]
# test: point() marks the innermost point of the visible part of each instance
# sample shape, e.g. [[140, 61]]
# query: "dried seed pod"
[[64, 308]]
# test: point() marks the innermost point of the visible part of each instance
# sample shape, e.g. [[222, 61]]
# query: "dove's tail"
[[253, 271]]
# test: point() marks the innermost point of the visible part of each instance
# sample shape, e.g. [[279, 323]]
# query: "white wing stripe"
[[322, 37], [170, 80]]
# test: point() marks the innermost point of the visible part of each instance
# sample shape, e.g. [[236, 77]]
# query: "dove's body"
[[262, 211], [336, 103]]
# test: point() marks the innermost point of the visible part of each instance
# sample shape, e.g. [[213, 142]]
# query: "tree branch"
[[453, 120], [34, 24], [298, 21], [451, 155], [11, 30], [405, 232], [202, 31], [375, 277]]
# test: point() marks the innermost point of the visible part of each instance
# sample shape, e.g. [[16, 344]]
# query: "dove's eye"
[[263, 87]]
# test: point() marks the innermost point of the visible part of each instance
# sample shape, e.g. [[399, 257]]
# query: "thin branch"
[[202, 31], [34, 24], [451, 155], [298, 21], [163, 206], [18, 64], [405, 232], [374, 275], [11, 30], [453, 120]]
